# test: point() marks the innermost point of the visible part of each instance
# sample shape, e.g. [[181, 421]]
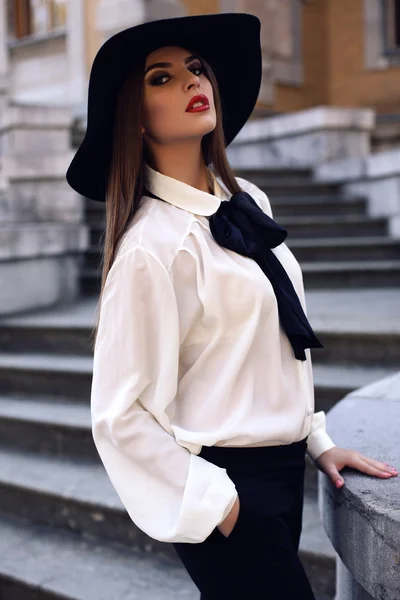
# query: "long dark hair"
[[126, 176]]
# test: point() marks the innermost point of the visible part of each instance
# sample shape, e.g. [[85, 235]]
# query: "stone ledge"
[[36, 166], [42, 200], [31, 240], [305, 138], [363, 518], [36, 115], [321, 118]]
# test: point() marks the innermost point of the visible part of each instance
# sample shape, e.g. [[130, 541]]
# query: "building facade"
[[315, 52]]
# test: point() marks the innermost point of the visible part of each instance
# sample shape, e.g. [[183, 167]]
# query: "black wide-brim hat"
[[229, 42]]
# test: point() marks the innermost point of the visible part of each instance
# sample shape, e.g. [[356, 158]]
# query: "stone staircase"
[[63, 531]]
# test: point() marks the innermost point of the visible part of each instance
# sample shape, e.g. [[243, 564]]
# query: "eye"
[[157, 80], [197, 68]]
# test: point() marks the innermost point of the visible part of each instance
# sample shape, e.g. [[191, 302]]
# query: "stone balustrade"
[[362, 519]]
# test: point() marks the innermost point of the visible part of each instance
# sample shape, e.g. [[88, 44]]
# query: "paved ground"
[[374, 310]]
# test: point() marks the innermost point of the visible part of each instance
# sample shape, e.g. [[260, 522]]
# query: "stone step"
[[78, 498], [66, 377], [318, 205], [39, 562], [345, 249], [282, 206], [316, 275], [59, 376], [334, 227], [318, 249], [93, 207], [62, 429], [281, 173], [368, 340], [39, 336], [351, 274], [295, 187], [47, 426], [333, 382], [344, 344], [348, 346], [299, 226]]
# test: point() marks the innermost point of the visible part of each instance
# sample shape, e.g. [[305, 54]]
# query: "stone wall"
[[42, 234]]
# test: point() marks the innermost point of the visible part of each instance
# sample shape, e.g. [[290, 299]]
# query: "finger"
[[358, 461], [378, 464], [370, 469], [335, 476]]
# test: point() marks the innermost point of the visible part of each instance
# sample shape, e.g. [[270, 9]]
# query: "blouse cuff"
[[318, 440]]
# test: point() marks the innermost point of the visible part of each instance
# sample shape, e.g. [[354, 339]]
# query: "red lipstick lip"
[[199, 98]]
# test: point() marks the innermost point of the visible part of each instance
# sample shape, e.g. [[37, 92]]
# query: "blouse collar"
[[185, 196]]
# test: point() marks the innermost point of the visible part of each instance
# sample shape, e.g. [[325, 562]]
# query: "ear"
[[143, 130]]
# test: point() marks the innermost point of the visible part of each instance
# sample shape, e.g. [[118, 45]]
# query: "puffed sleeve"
[[169, 493], [318, 440]]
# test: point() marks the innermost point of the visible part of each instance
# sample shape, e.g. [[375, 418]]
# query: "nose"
[[192, 80]]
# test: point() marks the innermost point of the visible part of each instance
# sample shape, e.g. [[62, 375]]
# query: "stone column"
[[262, 9], [114, 15], [4, 66], [76, 52], [3, 38], [280, 40]]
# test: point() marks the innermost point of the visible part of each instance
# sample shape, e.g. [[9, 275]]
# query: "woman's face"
[[167, 92]]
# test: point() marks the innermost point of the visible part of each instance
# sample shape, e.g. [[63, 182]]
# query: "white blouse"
[[190, 352]]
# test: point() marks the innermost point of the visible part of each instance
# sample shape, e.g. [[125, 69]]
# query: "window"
[[35, 17], [391, 26]]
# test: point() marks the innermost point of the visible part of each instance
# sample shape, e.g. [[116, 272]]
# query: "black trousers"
[[259, 559]]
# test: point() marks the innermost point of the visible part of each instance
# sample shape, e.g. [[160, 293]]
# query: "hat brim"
[[229, 42]]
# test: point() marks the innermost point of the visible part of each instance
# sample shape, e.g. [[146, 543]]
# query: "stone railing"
[[362, 519]]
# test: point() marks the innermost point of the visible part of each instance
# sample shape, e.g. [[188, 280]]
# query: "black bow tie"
[[242, 226]]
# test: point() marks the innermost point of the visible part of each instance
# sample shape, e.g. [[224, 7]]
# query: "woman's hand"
[[334, 460], [229, 522]]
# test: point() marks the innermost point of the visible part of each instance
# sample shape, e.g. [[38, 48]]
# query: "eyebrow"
[[163, 65]]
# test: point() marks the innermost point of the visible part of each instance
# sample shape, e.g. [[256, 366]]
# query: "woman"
[[202, 395]]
